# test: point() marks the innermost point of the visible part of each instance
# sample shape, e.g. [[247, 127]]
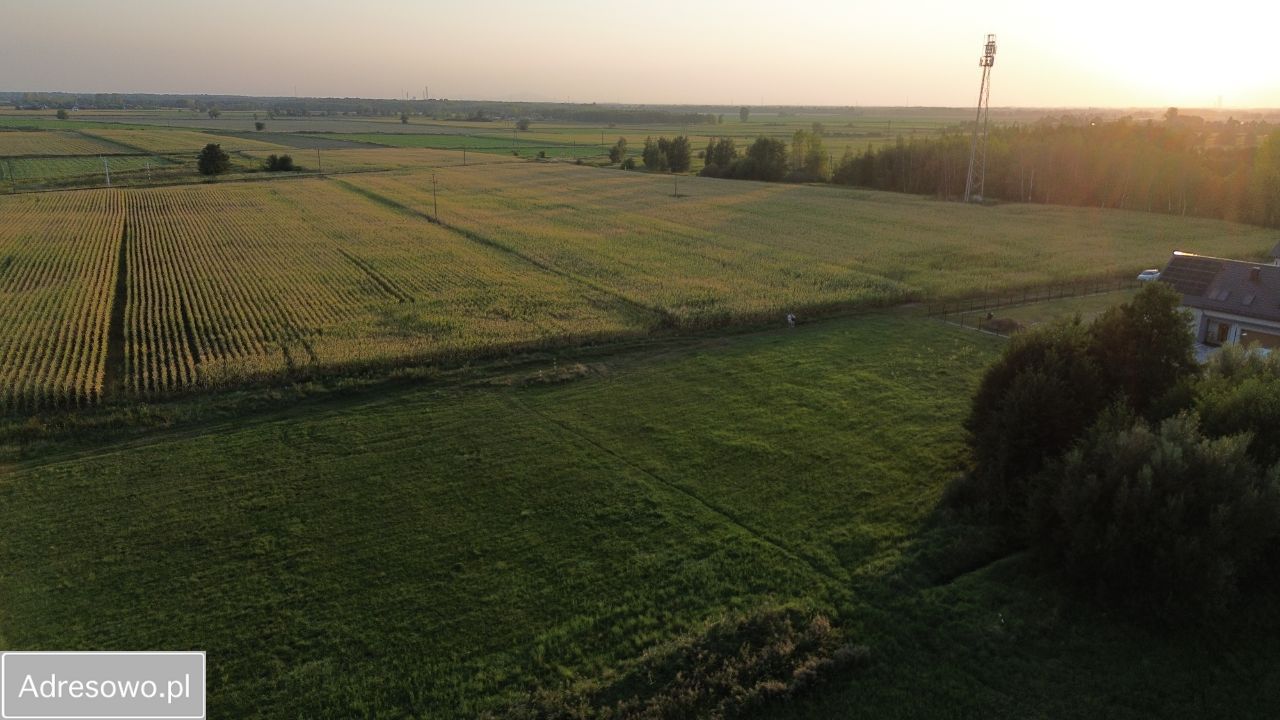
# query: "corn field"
[[233, 282], [58, 264]]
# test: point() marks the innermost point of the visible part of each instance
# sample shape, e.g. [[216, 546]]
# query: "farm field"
[[178, 141], [529, 535], [728, 250], [367, 158], [238, 282], [45, 170], [58, 265], [18, 144]]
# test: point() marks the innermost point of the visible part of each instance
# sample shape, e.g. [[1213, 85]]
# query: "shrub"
[[629, 164], [259, 125], [212, 160], [1168, 518], [62, 114], [278, 163]]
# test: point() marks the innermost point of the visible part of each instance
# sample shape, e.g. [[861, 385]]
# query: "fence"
[[978, 312]]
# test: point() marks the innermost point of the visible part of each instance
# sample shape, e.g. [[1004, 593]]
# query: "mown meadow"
[[446, 549]]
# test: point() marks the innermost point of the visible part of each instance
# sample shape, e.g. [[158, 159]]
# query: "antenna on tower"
[[973, 186]]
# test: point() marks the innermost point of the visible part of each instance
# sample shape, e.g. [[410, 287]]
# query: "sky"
[[1085, 53]]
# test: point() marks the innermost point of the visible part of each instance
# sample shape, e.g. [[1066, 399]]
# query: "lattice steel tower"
[[973, 186]]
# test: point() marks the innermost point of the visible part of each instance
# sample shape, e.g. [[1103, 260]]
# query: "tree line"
[[1227, 170]]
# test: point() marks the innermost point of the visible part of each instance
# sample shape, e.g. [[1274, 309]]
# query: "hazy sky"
[[922, 52]]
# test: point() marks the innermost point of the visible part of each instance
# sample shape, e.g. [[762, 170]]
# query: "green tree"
[[719, 157], [679, 154], [768, 160], [654, 154], [62, 114], [1144, 348], [744, 113], [1167, 518], [214, 113], [522, 124], [279, 163], [212, 160], [619, 151], [1032, 404], [259, 126], [1265, 182], [404, 118]]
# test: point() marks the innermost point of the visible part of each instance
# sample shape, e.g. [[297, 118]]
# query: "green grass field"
[[440, 550]]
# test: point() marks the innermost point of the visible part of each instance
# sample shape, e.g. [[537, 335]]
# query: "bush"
[[629, 164], [62, 114], [212, 160], [278, 163], [259, 126], [1168, 519]]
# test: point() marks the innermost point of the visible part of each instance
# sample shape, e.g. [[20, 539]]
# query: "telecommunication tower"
[[973, 186]]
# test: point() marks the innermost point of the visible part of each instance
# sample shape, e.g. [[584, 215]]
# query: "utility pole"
[[435, 205], [319, 168], [107, 170], [464, 155]]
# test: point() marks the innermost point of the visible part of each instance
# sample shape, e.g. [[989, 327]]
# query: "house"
[[1231, 301]]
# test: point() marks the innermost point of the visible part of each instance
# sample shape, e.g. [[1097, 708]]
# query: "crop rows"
[[58, 263], [234, 282], [14, 144]]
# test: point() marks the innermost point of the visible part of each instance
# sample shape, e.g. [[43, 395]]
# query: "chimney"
[[1255, 274]]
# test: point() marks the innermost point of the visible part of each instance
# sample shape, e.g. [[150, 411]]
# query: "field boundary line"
[[718, 512]]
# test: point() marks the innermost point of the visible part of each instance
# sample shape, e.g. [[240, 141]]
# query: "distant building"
[[1231, 301]]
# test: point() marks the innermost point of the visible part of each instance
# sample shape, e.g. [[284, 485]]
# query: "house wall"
[[1203, 323]]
